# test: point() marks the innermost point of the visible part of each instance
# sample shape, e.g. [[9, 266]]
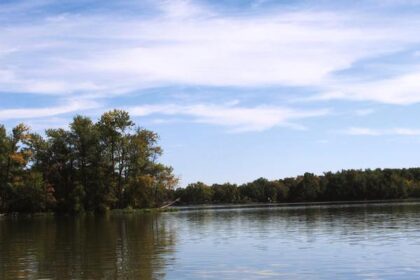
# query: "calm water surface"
[[358, 241]]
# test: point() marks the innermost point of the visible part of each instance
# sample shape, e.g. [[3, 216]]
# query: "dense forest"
[[340, 186], [89, 167], [113, 164]]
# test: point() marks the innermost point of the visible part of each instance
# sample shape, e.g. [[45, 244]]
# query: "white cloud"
[[237, 119], [40, 124], [401, 90], [32, 113], [381, 132], [190, 44], [361, 131]]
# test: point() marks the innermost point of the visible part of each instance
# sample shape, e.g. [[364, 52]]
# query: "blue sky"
[[236, 89]]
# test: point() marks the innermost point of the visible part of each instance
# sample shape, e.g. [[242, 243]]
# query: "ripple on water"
[[365, 241]]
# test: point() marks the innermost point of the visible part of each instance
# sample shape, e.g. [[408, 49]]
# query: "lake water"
[[352, 241]]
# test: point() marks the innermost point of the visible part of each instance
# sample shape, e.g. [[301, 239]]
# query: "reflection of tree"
[[109, 247], [308, 222]]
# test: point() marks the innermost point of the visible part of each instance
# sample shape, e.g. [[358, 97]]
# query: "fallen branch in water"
[[170, 203]]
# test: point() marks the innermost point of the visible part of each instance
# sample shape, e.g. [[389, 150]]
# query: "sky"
[[237, 90]]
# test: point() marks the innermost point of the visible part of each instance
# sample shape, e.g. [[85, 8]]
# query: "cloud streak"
[[189, 44], [235, 118], [34, 113], [400, 90], [364, 131], [92, 56]]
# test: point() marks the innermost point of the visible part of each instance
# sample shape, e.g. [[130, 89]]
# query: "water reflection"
[[111, 247], [364, 241]]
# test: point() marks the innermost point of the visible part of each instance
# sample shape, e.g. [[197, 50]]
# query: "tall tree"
[[84, 136], [114, 127], [91, 166], [61, 170], [4, 155]]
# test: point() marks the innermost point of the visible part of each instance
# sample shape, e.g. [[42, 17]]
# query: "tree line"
[[91, 166], [340, 186], [113, 164]]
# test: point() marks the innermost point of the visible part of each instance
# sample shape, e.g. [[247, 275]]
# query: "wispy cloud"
[[97, 54], [234, 117], [401, 90], [363, 131], [190, 44], [42, 112]]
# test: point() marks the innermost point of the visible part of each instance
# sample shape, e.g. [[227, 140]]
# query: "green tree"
[[226, 193], [114, 127], [89, 163], [308, 188], [197, 193], [4, 155]]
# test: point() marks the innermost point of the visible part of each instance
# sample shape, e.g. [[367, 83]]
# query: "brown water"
[[357, 241]]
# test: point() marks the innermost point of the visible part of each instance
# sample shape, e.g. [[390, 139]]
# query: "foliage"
[[111, 164], [197, 193], [344, 185], [89, 167]]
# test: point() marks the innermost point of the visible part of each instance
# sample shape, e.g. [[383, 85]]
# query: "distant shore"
[[227, 207], [288, 204], [110, 163]]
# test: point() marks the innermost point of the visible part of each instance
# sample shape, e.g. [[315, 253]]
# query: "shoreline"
[[289, 204], [196, 207]]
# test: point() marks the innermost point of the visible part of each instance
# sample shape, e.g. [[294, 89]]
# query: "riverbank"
[[110, 212], [222, 207], [289, 204]]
